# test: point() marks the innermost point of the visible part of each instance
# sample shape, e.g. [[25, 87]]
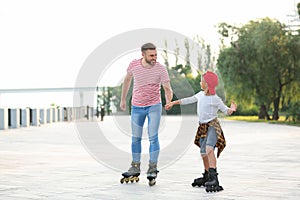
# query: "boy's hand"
[[233, 106]]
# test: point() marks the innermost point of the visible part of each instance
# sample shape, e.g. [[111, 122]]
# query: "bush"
[[293, 112], [247, 111]]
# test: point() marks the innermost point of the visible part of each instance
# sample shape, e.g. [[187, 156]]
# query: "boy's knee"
[[209, 149]]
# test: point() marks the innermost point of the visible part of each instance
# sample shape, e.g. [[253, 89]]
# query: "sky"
[[43, 43]]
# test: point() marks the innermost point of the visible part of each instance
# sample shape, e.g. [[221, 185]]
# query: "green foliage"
[[247, 110], [261, 63], [293, 112], [183, 86]]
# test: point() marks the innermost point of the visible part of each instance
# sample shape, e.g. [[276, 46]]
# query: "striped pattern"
[[147, 82], [202, 133]]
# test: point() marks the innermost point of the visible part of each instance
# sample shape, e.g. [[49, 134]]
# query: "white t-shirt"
[[207, 106]]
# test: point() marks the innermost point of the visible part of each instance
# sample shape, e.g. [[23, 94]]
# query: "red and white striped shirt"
[[147, 82]]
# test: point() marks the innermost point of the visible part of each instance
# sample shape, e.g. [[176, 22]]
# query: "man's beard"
[[150, 62]]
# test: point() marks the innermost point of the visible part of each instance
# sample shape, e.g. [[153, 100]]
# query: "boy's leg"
[[212, 161], [202, 180], [205, 161], [212, 185], [210, 145], [204, 153]]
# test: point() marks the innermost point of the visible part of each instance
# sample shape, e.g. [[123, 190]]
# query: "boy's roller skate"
[[132, 174], [212, 185], [202, 180], [152, 173]]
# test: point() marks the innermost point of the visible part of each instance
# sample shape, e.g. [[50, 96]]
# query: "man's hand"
[[123, 105]]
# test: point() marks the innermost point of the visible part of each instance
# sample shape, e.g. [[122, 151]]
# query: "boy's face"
[[203, 84]]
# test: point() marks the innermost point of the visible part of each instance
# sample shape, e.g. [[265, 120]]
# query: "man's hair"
[[148, 46]]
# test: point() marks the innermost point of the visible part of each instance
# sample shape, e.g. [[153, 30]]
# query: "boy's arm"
[[183, 101], [171, 104], [225, 109]]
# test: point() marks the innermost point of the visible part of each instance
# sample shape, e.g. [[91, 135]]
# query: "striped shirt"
[[147, 82]]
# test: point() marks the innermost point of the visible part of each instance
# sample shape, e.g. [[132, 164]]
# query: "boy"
[[209, 134]]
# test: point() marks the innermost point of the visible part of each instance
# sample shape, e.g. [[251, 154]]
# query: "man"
[[148, 76]]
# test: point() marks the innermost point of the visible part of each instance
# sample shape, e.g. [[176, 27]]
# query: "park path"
[[260, 161]]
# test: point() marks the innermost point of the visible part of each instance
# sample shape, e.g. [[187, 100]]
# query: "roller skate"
[[132, 174], [212, 185], [152, 173], [201, 181]]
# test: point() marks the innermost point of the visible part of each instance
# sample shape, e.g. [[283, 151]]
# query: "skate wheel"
[[152, 182], [193, 184], [137, 179], [214, 189], [220, 188], [122, 180]]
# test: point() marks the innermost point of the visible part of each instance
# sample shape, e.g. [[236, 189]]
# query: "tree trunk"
[[276, 109], [263, 113]]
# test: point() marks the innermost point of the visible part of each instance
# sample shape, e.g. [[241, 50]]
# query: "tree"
[[298, 8], [165, 55], [260, 64], [206, 60]]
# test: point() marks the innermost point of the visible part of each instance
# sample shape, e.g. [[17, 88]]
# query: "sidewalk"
[[260, 161]]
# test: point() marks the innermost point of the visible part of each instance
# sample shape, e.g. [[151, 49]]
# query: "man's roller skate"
[[152, 173], [202, 180], [132, 174], [212, 185]]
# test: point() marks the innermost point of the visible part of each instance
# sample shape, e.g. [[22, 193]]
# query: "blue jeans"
[[210, 140], [138, 116]]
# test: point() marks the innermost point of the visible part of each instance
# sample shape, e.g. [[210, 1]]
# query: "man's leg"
[[154, 117], [138, 116]]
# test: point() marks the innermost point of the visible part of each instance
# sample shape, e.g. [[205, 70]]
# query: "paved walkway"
[[261, 161]]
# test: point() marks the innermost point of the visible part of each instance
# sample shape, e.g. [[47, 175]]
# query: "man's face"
[[150, 56]]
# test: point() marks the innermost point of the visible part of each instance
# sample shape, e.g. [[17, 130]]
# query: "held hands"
[[168, 106]]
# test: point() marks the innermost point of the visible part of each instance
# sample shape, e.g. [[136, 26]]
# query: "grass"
[[281, 120]]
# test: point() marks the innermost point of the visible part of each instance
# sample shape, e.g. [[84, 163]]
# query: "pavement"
[[59, 161]]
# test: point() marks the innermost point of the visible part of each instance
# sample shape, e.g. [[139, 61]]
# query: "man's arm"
[[168, 91], [125, 88]]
